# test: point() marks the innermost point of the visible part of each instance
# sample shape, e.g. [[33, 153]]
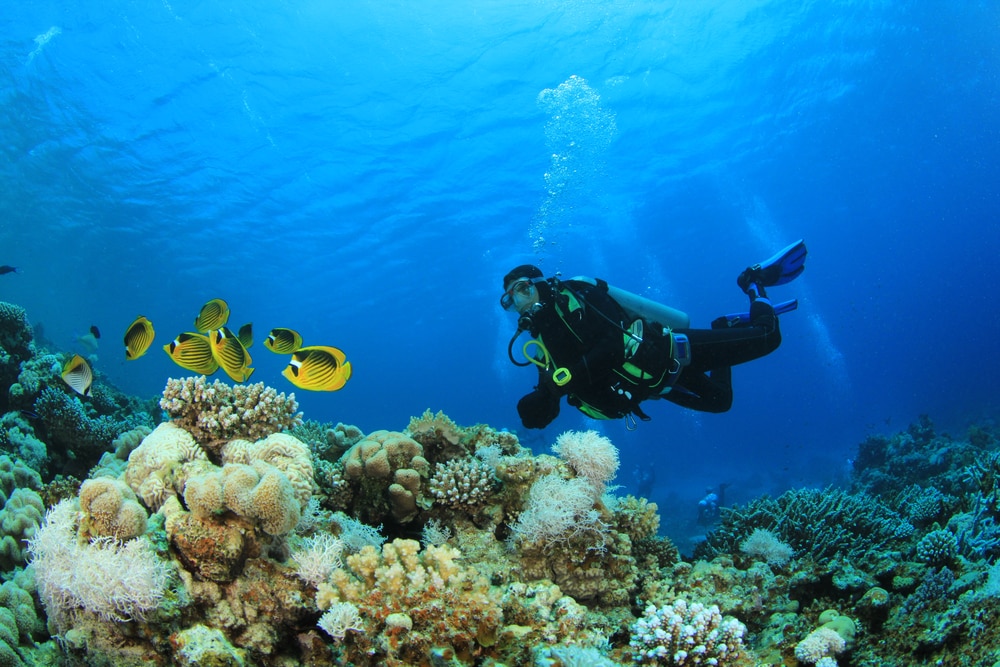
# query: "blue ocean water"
[[365, 172]]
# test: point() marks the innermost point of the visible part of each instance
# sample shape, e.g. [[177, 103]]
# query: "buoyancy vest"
[[647, 363]]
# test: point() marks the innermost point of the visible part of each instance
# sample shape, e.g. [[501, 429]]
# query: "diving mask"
[[519, 295]]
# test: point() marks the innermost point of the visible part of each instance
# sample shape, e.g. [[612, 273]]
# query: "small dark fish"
[[29, 414], [7, 268], [94, 330]]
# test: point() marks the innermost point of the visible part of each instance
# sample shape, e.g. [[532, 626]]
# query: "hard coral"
[[109, 509], [448, 604], [156, 467], [216, 413], [686, 633], [388, 469], [15, 331], [463, 483]]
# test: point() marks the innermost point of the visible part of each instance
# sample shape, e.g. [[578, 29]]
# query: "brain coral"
[[258, 492], [155, 467], [109, 509]]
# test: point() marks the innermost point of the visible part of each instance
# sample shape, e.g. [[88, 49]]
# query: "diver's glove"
[[538, 408]]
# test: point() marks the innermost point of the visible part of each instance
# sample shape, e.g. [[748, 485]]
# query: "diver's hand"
[[539, 408]]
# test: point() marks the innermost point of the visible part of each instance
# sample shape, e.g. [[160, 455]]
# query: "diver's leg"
[[706, 392], [717, 348]]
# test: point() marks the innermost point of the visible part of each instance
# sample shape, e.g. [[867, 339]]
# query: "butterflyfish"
[[246, 335], [318, 368], [193, 352], [283, 341], [230, 354], [213, 315], [138, 337], [76, 373]]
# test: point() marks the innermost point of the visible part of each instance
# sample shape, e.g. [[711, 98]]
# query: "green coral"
[[19, 520], [15, 331], [18, 438], [76, 432], [824, 524]]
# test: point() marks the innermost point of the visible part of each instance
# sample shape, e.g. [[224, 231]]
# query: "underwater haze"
[[366, 172]]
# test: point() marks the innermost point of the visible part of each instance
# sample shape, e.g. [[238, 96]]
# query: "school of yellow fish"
[[212, 346]]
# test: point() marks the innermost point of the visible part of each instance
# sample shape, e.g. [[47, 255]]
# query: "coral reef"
[[235, 533]]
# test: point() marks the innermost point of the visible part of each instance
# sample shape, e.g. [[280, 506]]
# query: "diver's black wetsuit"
[[707, 383], [588, 340]]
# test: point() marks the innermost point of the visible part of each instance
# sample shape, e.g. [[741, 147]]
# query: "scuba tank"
[[636, 307]]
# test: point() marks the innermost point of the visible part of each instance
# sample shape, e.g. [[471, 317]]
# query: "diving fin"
[[783, 267]]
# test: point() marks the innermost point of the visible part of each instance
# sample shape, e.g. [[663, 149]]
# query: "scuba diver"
[[607, 350]]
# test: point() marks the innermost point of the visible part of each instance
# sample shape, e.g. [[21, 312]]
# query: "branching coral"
[[686, 633], [821, 523], [463, 483], [216, 413], [15, 331]]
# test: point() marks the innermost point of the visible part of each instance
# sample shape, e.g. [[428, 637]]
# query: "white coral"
[[339, 618], [318, 558]]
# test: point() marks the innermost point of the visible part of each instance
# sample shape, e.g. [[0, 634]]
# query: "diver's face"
[[521, 296]]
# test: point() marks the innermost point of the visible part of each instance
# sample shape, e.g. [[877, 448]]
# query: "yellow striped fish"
[[138, 337], [283, 341], [76, 373], [230, 354], [213, 315], [246, 335], [318, 368], [192, 351]]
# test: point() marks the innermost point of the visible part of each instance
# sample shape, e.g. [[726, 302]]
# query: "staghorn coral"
[[448, 604], [77, 434], [822, 524], [216, 413]]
